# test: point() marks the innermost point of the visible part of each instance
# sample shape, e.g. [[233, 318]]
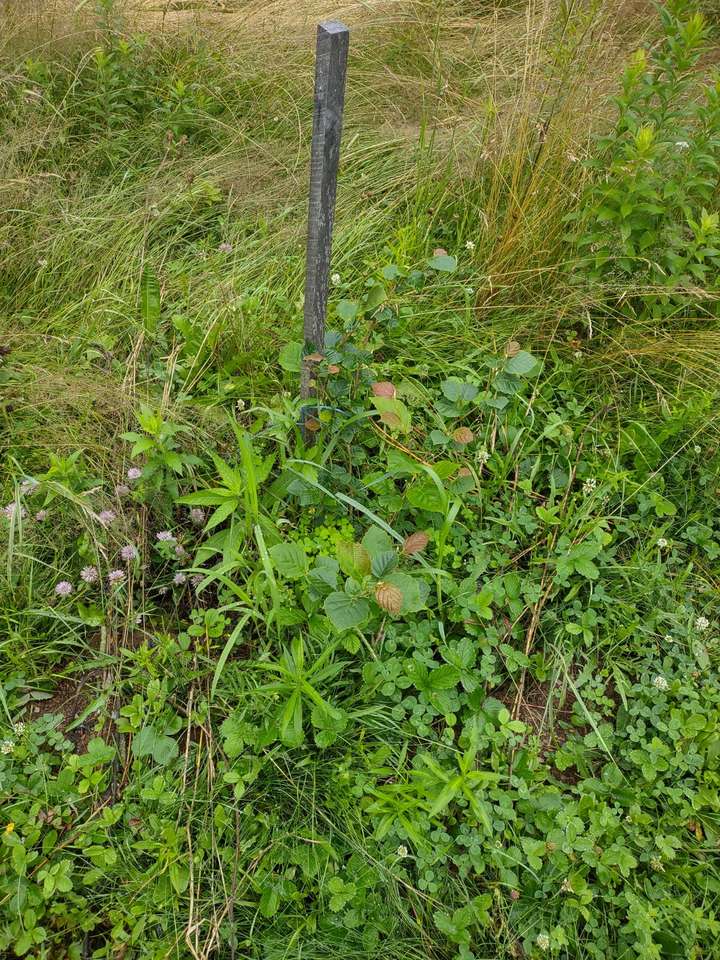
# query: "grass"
[[278, 734]]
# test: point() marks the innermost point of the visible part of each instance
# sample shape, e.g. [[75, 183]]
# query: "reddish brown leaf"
[[512, 347], [389, 597], [463, 435], [391, 419], [314, 357], [415, 543], [383, 388], [333, 368]]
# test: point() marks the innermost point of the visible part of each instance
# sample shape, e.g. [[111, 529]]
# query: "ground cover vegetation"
[[440, 680]]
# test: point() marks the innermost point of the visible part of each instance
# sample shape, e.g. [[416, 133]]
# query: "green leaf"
[[443, 262], [347, 309], [269, 902], [354, 559], [149, 299], [150, 742], [458, 390], [523, 364], [393, 413], [383, 563], [414, 591], [289, 559], [179, 877], [346, 612], [374, 297], [290, 358]]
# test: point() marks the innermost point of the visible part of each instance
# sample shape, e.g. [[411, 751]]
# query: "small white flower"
[[41, 515], [662, 543], [197, 516], [578, 354], [164, 536], [682, 144], [572, 158], [697, 448], [42, 263], [543, 941], [470, 245], [19, 728], [566, 886], [482, 456], [669, 638], [660, 682], [115, 576], [28, 487], [657, 865], [402, 851], [179, 579], [6, 746], [89, 574], [589, 485], [106, 517], [134, 473], [64, 588], [335, 279], [702, 623]]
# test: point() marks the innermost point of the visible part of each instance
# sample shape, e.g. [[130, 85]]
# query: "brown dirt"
[[71, 696]]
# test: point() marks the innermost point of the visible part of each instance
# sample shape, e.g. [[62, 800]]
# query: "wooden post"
[[333, 39]]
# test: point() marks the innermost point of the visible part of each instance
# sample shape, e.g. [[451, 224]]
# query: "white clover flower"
[[134, 473], [669, 638], [662, 543], [470, 245], [179, 579], [482, 456], [702, 623], [566, 886], [660, 682], [589, 486], [402, 851], [682, 144], [6, 746], [19, 728], [335, 279], [543, 941]]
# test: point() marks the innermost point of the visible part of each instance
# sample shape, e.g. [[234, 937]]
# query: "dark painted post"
[[330, 67]]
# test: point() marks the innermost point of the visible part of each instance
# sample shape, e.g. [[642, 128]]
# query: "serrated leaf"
[[443, 262], [522, 364], [289, 559], [383, 563], [388, 597], [346, 612], [290, 358], [354, 559]]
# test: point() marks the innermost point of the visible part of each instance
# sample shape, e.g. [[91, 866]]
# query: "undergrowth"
[[425, 666]]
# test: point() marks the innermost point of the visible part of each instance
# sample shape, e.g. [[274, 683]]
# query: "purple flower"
[[128, 553], [28, 487], [122, 490], [106, 517], [180, 551], [134, 473], [225, 248], [116, 576], [41, 515], [89, 574], [196, 580], [197, 516], [164, 536], [63, 588], [14, 510], [179, 579]]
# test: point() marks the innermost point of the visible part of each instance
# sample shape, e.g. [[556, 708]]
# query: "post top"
[[333, 26]]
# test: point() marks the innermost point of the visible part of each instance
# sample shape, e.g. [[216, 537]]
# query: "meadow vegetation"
[[441, 680]]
